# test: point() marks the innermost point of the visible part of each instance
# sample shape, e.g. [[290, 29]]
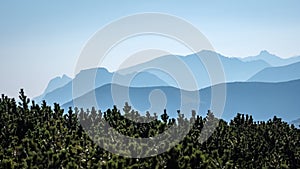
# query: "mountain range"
[[278, 74], [262, 100], [54, 84], [233, 68], [245, 79], [272, 59]]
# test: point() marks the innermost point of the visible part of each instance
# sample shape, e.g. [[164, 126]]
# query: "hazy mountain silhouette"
[[234, 69], [278, 74], [271, 59], [92, 78], [54, 84], [262, 100]]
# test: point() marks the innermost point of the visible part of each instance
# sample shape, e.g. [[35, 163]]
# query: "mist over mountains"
[[244, 77], [54, 84], [272, 59], [262, 100], [278, 74]]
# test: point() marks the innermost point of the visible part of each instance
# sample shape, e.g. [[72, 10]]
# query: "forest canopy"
[[41, 136]]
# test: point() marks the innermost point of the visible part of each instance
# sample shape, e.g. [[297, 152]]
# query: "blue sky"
[[43, 39]]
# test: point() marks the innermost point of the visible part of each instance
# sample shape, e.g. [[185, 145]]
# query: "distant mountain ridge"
[[102, 77], [58, 81], [234, 69], [55, 83], [278, 74], [262, 100], [272, 59]]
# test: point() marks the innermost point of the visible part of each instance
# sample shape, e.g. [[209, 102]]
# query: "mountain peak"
[[266, 53], [207, 52], [64, 76], [268, 57], [57, 82]]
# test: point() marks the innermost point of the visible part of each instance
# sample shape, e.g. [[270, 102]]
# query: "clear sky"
[[41, 39]]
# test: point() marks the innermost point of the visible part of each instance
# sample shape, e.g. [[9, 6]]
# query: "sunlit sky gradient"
[[43, 39]]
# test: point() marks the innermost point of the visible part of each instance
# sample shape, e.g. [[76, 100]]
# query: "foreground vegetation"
[[33, 136]]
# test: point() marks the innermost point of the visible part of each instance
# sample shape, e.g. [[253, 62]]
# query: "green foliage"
[[34, 136]]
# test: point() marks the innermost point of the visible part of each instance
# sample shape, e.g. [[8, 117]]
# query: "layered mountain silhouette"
[[278, 74], [54, 84], [257, 85], [201, 62], [262, 100], [272, 59], [201, 72], [93, 78]]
